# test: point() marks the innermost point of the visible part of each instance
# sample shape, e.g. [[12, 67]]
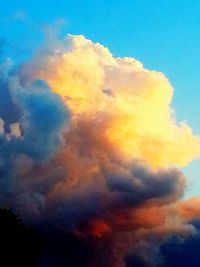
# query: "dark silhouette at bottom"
[[20, 245]]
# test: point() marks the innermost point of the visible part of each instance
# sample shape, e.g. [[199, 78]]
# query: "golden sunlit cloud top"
[[134, 102]]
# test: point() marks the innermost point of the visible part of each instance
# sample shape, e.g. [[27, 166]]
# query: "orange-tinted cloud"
[[92, 149]]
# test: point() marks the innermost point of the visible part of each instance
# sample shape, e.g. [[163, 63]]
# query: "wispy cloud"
[[21, 15]]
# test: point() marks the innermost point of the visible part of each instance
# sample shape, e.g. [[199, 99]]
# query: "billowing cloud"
[[135, 101], [183, 252], [89, 147]]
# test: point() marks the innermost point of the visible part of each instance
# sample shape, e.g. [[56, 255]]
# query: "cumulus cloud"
[[184, 252], [89, 145], [137, 104], [31, 132]]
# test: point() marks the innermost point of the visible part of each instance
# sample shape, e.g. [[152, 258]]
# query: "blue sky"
[[163, 35]]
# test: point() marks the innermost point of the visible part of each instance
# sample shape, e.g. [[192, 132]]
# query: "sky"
[[163, 35], [93, 146]]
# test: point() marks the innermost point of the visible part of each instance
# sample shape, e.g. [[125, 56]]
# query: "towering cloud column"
[[90, 146]]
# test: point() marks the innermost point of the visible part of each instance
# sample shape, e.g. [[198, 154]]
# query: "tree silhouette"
[[20, 246]]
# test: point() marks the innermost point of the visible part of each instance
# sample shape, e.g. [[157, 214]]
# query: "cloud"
[[136, 107], [182, 251], [32, 122], [89, 147], [21, 15]]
